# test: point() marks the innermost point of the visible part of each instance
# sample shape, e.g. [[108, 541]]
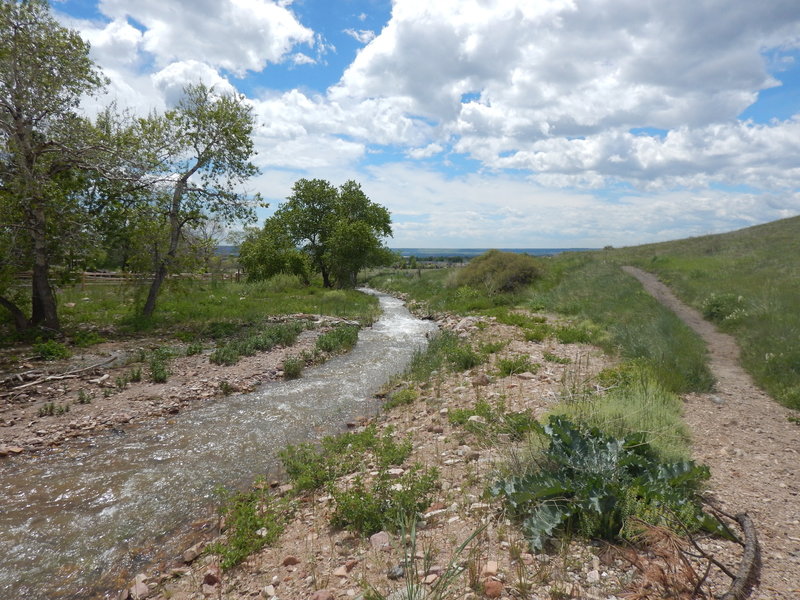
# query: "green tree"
[[199, 157], [270, 251], [45, 145], [341, 229]]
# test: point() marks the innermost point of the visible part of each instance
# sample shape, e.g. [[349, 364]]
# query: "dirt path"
[[746, 439]]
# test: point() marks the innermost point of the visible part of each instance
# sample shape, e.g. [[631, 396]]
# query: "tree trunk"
[[43, 300], [152, 295], [21, 323], [326, 278]]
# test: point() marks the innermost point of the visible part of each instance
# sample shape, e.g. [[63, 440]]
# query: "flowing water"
[[76, 521]]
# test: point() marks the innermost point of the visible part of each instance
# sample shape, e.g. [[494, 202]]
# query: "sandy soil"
[[752, 448]]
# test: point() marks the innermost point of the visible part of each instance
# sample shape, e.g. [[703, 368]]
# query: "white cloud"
[[426, 152], [236, 35], [364, 36], [171, 80]]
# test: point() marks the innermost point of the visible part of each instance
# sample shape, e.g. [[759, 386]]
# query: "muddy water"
[[75, 522]]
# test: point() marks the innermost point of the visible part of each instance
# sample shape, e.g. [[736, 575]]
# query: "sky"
[[491, 123]]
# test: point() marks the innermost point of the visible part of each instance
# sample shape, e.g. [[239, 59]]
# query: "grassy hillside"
[[748, 282]]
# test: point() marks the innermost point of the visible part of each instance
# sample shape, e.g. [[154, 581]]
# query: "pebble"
[[490, 568], [322, 595], [492, 588], [396, 572], [290, 561]]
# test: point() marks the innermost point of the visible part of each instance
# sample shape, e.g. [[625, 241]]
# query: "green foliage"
[[516, 365], [591, 483], [445, 352], [51, 409], [310, 467], [194, 348], [159, 365], [494, 420], [554, 358], [722, 307], [51, 350], [293, 367], [270, 252], [497, 271], [263, 340], [252, 520], [84, 339], [340, 339], [84, 397], [386, 503], [402, 397]]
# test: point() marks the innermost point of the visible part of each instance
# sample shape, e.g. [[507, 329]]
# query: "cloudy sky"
[[492, 123]]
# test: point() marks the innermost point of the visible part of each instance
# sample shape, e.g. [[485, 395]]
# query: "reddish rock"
[[350, 564], [212, 575], [192, 553], [379, 540], [290, 561], [322, 595], [492, 588], [139, 590]]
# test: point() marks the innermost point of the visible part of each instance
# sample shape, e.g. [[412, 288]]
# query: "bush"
[[293, 367], [720, 307], [497, 272], [51, 350], [592, 483], [339, 339]]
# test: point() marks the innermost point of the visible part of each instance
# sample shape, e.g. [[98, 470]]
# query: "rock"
[[379, 540], [340, 571], [15, 450], [429, 579], [490, 568], [192, 553], [527, 375], [492, 588], [480, 380], [269, 591], [124, 594], [396, 572], [322, 595], [290, 561], [477, 419], [350, 564], [212, 575], [139, 590], [593, 576], [208, 590], [395, 472], [436, 429]]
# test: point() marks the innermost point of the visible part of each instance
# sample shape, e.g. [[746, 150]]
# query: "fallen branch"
[[748, 572], [68, 375]]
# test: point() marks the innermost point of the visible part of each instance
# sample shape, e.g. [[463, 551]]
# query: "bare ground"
[[747, 440]]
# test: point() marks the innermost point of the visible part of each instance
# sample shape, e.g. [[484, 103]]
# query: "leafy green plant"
[[51, 350], [194, 348], [84, 397], [554, 358], [719, 307], [135, 375], [339, 339], [159, 369], [538, 333], [252, 520], [84, 339], [51, 409], [401, 397], [493, 420], [310, 467], [591, 483], [492, 347], [386, 503], [293, 367], [516, 365]]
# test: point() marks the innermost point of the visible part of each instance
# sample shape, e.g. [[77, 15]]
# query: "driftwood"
[[44, 379], [747, 575]]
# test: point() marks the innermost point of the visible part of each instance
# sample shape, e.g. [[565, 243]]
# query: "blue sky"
[[491, 123]]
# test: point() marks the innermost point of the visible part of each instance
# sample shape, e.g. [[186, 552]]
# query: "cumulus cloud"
[[171, 80], [263, 31]]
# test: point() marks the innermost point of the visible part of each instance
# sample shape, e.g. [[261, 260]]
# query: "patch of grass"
[[252, 520], [51, 350], [515, 365], [84, 339], [538, 333], [493, 420], [488, 348], [310, 467], [52, 409], [159, 365], [340, 339], [225, 388], [194, 348], [402, 397], [84, 397], [385, 503], [261, 340], [293, 367], [445, 352], [554, 358]]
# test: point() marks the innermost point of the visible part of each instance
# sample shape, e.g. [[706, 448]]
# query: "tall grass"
[[748, 282], [636, 325]]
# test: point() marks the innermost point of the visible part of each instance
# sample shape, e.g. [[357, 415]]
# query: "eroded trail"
[[746, 439]]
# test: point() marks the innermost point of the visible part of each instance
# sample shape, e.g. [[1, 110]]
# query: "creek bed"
[[77, 521]]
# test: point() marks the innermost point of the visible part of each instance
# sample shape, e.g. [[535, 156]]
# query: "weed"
[[492, 347], [386, 503], [402, 397], [293, 367], [194, 348], [84, 339], [121, 382], [51, 409], [159, 370], [492, 421], [339, 339], [553, 358], [84, 397], [252, 520], [135, 375], [51, 350], [538, 333], [516, 365], [592, 483], [225, 388]]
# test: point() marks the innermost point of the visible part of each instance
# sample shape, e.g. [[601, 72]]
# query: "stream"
[[78, 521]]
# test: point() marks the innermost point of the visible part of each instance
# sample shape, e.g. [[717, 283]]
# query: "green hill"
[[748, 282]]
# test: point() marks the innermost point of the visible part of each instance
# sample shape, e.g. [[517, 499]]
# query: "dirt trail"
[[746, 439]]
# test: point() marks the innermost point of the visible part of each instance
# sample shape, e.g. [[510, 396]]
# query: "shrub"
[[495, 420], [719, 307], [293, 367], [497, 271], [51, 350], [386, 504], [516, 365], [84, 339], [592, 483], [159, 370], [339, 339]]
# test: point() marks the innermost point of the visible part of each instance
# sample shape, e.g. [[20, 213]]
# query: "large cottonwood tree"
[[45, 146]]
